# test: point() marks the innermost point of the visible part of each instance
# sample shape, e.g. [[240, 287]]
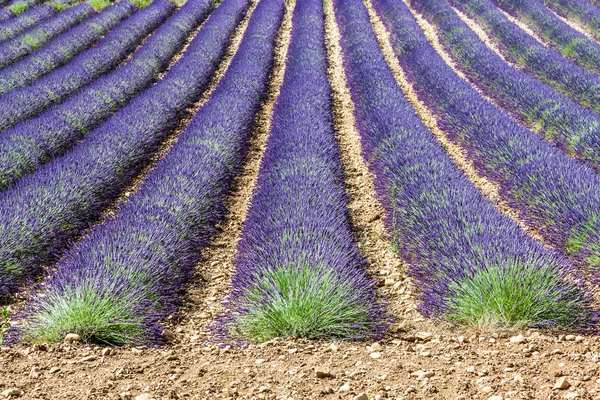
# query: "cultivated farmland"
[[300, 199]]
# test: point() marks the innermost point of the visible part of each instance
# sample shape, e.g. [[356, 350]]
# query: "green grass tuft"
[[59, 6], [4, 325], [304, 302], [515, 296], [99, 4], [19, 7], [141, 3], [94, 317]]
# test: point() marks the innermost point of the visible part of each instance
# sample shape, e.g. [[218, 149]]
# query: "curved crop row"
[[298, 268], [564, 123], [34, 38], [567, 40], [555, 194], [52, 88], [57, 129], [64, 47], [472, 264], [581, 11], [134, 267], [544, 63], [60, 199], [17, 25]]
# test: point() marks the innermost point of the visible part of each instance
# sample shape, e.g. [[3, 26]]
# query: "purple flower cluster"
[[555, 194], [18, 47], [298, 225], [28, 19], [564, 123], [64, 47], [439, 221], [567, 40], [52, 88], [545, 63], [57, 129], [42, 212], [578, 10], [148, 252]]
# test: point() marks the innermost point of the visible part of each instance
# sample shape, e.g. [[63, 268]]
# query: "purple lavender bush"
[[64, 47], [572, 44], [562, 122], [580, 11], [129, 273], [56, 130], [545, 63], [18, 47], [298, 269], [26, 20], [54, 87], [44, 211], [473, 265], [556, 194]]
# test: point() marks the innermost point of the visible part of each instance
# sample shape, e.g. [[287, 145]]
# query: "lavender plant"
[[544, 63], [18, 47], [54, 87], [45, 210], [473, 265], [564, 123], [56, 130], [557, 195], [567, 40], [298, 268], [64, 47], [129, 273], [15, 26], [581, 11]]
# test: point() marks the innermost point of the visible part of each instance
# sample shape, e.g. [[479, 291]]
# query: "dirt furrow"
[[212, 281]]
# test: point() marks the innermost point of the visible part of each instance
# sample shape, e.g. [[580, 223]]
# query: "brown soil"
[[420, 359]]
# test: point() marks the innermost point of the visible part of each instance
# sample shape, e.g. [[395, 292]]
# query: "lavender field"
[[142, 140]]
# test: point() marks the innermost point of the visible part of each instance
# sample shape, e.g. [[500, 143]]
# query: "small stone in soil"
[[518, 339], [561, 384], [345, 388], [12, 393], [361, 396], [322, 373], [72, 337]]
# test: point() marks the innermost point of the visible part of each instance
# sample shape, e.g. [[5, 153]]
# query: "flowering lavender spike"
[[56, 130], [564, 123], [141, 260], [456, 242], [44, 211], [298, 268], [26, 20], [64, 47], [52, 88], [567, 40], [555, 194], [18, 47]]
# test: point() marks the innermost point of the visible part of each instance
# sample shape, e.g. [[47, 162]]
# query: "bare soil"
[[419, 359]]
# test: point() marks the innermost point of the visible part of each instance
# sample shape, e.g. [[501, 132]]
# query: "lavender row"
[[555, 194], [26, 20], [34, 38], [45, 210], [140, 261], [455, 241], [581, 11], [52, 88], [563, 122], [64, 47], [544, 63], [567, 40], [58, 128], [298, 269]]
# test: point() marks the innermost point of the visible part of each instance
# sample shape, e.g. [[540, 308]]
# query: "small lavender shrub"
[[298, 268], [13, 27]]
